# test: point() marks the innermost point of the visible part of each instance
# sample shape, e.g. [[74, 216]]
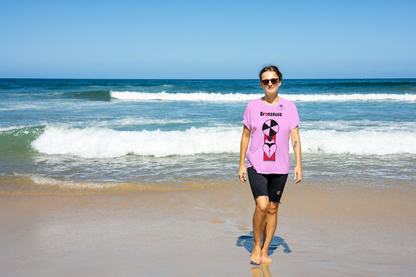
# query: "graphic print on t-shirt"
[[270, 129]]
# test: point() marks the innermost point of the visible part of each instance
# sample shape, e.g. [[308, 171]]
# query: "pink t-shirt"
[[270, 127]]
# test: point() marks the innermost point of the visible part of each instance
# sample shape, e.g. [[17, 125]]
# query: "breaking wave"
[[106, 143]]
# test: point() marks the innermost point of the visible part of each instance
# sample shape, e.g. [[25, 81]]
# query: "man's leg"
[[270, 228], [259, 223]]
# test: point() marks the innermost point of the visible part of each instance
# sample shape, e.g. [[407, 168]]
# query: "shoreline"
[[329, 231]]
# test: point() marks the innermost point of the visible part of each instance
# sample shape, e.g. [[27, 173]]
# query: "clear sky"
[[207, 39]]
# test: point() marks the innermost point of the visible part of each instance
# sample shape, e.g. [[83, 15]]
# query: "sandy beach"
[[204, 230]]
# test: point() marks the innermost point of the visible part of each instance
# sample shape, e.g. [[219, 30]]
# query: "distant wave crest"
[[350, 97], [218, 97], [199, 96]]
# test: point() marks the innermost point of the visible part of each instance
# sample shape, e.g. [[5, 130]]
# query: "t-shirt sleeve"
[[294, 118], [247, 118]]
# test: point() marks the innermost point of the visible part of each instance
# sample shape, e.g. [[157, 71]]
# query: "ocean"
[[93, 134], [105, 176]]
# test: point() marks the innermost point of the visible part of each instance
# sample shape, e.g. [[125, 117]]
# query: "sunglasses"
[[266, 81]]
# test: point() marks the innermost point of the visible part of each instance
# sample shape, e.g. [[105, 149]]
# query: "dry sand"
[[204, 230]]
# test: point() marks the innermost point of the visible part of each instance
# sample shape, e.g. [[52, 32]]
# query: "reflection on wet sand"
[[256, 270]]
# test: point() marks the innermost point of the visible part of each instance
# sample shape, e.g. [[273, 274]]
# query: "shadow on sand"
[[247, 242]]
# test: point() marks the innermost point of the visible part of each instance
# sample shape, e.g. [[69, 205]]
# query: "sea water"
[[161, 132]]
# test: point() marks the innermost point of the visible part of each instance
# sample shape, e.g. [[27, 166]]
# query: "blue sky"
[[207, 39]]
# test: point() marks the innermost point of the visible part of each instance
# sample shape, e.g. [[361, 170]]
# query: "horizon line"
[[73, 78]]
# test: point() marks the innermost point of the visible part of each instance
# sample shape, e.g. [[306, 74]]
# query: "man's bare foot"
[[255, 255], [265, 259]]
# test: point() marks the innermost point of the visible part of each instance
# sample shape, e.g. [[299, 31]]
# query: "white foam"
[[356, 125], [218, 97], [363, 142], [199, 96], [106, 143], [11, 128], [133, 121], [19, 127], [40, 180], [21, 107], [349, 97], [125, 122]]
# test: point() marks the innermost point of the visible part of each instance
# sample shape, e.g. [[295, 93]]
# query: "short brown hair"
[[273, 69]]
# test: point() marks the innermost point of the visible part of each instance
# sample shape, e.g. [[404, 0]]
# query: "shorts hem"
[[278, 202]]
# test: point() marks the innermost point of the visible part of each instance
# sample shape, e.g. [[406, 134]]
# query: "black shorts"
[[271, 185]]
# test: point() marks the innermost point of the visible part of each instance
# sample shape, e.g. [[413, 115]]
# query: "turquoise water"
[[158, 131]]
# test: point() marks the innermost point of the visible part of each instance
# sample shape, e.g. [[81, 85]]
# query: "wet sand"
[[332, 229]]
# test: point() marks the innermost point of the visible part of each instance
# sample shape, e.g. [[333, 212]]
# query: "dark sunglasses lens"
[[266, 82]]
